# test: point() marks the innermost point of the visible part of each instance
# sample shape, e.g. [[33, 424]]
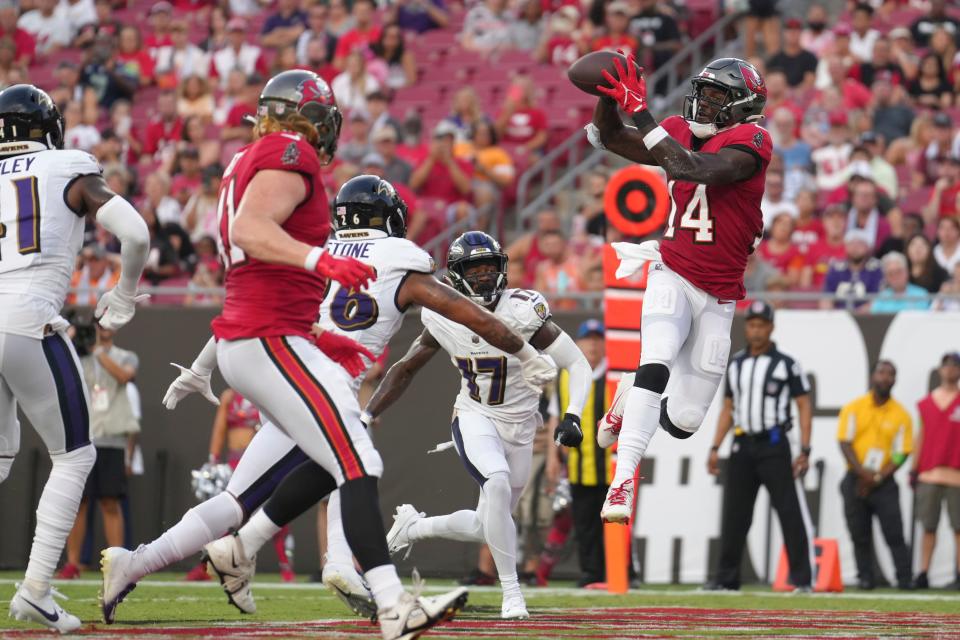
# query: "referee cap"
[[591, 327], [760, 309]]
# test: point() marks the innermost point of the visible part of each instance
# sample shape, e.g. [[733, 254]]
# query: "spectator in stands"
[[200, 213], [316, 30], [217, 33], [24, 43], [378, 108], [186, 176], [924, 270], [285, 58], [10, 69], [773, 202], [77, 133], [355, 83], [937, 18], [863, 37], [181, 58], [113, 430], [418, 16], [896, 280], [527, 30], [466, 112], [761, 276], [67, 87], [103, 76], [876, 436], [319, 59], [762, 19], [339, 20], [441, 175], [855, 95], [559, 272], [400, 63], [396, 170], [880, 64], [493, 168], [938, 150], [779, 251], [947, 251], [778, 95], [237, 53], [166, 125], [615, 37], [208, 274], [808, 228], [133, 60], [864, 213], [936, 467], [945, 198], [902, 228], [870, 145], [798, 64], [562, 41], [157, 202], [194, 98], [931, 88], [357, 143], [856, 275], [283, 28], [364, 33], [486, 28], [816, 37], [194, 134], [50, 29], [944, 47], [655, 32], [892, 115], [520, 122], [96, 273], [526, 250], [234, 93], [903, 51], [105, 24], [160, 18], [588, 203], [126, 133], [831, 160], [796, 153], [237, 130]]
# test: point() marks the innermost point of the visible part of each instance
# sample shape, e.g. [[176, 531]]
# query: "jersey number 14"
[[696, 217]]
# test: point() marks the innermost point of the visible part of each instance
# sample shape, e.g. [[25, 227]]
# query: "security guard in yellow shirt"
[[876, 436]]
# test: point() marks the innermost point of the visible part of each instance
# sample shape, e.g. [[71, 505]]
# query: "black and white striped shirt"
[[761, 388]]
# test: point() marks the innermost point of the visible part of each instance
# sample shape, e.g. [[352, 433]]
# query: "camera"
[[83, 331]]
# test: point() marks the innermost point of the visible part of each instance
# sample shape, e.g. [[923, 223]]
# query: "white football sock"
[[641, 418], [461, 525], [200, 525], [338, 550], [384, 584], [499, 530], [258, 530], [56, 513]]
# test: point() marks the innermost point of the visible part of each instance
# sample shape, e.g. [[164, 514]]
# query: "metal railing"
[[580, 157]]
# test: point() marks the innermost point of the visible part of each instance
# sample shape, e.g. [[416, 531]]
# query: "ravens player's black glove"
[[568, 432]]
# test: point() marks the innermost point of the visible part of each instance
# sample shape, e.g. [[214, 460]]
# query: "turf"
[[162, 607]]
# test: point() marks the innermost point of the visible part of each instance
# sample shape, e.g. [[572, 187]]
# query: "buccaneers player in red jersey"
[[274, 220], [715, 158]]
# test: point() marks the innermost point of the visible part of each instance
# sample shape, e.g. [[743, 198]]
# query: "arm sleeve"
[[206, 360], [798, 381], [567, 355], [120, 218]]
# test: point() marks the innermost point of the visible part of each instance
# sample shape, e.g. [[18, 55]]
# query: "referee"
[[760, 383]]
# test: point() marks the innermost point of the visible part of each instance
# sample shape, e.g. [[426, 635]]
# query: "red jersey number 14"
[[696, 216]]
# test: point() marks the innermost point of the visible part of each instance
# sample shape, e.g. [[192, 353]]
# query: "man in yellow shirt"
[[876, 436]]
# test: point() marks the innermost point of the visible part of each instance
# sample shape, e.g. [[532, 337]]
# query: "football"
[[585, 72]]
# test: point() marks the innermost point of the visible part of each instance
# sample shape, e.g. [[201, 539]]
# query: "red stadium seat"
[[916, 200]]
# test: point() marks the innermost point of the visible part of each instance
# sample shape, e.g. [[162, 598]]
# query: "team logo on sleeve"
[[541, 310], [291, 155], [758, 139]]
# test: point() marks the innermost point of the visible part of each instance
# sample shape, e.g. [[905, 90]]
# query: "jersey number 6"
[[353, 310], [496, 367]]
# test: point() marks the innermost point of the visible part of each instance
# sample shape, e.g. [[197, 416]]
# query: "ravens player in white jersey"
[[370, 224], [496, 412], [45, 195]]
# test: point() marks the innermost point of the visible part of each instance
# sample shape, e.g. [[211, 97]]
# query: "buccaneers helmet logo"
[[753, 80], [313, 91]]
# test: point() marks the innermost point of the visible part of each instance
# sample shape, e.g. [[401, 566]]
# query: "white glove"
[[116, 308], [593, 136], [539, 371], [186, 383]]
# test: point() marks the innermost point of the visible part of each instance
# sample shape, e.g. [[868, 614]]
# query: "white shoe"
[[397, 538], [608, 427], [349, 586], [412, 615], [45, 610], [119, 578], [514, 608], [229, 561], [618, 507]]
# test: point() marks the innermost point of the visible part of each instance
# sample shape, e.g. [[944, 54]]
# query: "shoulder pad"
[[749, 135], [406, 255], [285, 151], [75, 162], [528, 308]]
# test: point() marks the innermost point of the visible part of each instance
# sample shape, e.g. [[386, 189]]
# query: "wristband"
[[655, 137], [805, 451], [310, 264], [644, 121], [527, 353], [715, 448]]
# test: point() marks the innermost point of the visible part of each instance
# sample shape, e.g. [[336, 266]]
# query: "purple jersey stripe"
[[73, 402]]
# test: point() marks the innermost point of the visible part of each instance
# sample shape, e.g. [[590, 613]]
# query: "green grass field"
[[162, 607]]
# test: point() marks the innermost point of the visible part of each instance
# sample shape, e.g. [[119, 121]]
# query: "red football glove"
[[349, 272], [628, 89], [343, 351]]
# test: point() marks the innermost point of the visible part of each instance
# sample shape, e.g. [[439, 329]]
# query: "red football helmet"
[[745, 93], [306, 93]]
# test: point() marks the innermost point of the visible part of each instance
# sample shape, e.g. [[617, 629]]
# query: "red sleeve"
[[146, 66], [344, 44], [751, 138], [676, 126], [152, 139], [539, 120]]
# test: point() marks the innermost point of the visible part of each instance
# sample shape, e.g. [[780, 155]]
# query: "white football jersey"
[[371, 316], [493, 383], [40, 237]]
